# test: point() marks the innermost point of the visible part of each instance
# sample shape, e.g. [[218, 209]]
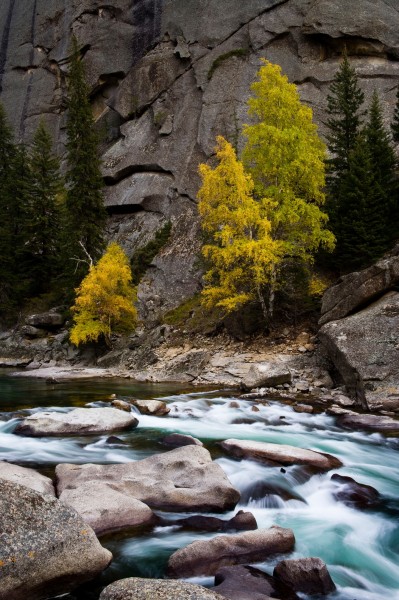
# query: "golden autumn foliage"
[[240, 252], [264, 212], [105, 299], [286, 159]]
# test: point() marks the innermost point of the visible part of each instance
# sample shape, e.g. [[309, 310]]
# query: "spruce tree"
[[44, 258], [7, 263], [361, 237], [395, 121], [84, 203], [344, 110]]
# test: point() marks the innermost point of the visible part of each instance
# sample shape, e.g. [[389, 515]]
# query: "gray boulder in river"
[[205, 557], [45, 547], [27, 477], [80, 421], [136, 588], [184, 479]]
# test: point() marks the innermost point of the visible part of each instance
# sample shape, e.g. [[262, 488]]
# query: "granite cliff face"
[[166, 77]]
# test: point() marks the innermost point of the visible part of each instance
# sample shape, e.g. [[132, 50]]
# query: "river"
[[360, 547]]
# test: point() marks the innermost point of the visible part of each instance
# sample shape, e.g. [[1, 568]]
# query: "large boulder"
[[135, 588], [47, 320], [267, 374], [308, 575], [364, 348], [80, 421], [27, 477], [184, 479], [46, 548], [359, 288], [151, 407], [352, 493], [205, 557], [280, 454], [352, 420]]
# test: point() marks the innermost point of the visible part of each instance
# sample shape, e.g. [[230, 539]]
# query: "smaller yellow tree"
[[240, 251], [105, 299]]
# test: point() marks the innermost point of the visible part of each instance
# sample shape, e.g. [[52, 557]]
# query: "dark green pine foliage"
[[395, 120], [7, 259], [383, 164], [360, 232], [86, 214], [344, 110], [44, 257]]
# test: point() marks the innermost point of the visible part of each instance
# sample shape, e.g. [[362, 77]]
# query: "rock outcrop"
[[364, 348], [80, 421], [184, 479], [205, 557], [46, 549], [165, 78], [244, 583]]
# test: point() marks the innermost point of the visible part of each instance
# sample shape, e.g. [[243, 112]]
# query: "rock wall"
[[167, 76]]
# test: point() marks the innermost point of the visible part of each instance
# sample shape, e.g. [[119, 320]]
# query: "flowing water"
[[360, 547]]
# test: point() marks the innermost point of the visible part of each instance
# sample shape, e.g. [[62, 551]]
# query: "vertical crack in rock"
[[30, 74], [147, 19], [4, 42]]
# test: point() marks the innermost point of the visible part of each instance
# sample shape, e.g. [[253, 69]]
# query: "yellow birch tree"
[[105, 299], [240, 251]]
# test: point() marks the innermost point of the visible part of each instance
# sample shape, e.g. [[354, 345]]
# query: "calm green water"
[[361, 548]]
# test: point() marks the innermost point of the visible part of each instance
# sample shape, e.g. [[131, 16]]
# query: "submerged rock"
[[27, 477], [80, 421], [356, 494], [280, 454], [136, 588], [178, 480], [244, 583], [308, 575], [179, 439], [205, 557], [45, 547], [242, 521]]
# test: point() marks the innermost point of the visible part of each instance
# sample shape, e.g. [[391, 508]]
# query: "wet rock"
[[352, 493], [266, 374], [151, 407], [205, 557], [46, 549], [260, 490], [135, 588], [121, 405], [178, 480], [113, 439], [27, 477], [242, 521], [369, 422], [80, 421], [280, 454], [303, 408], [364, 349], [244, 583], [308, 575], [179, 439]]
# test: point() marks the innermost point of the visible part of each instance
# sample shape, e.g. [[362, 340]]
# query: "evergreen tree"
[[383, 165], [395, 121], [361, 237], [344, 109], [44, 258], [85, 210], [7, 261]]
